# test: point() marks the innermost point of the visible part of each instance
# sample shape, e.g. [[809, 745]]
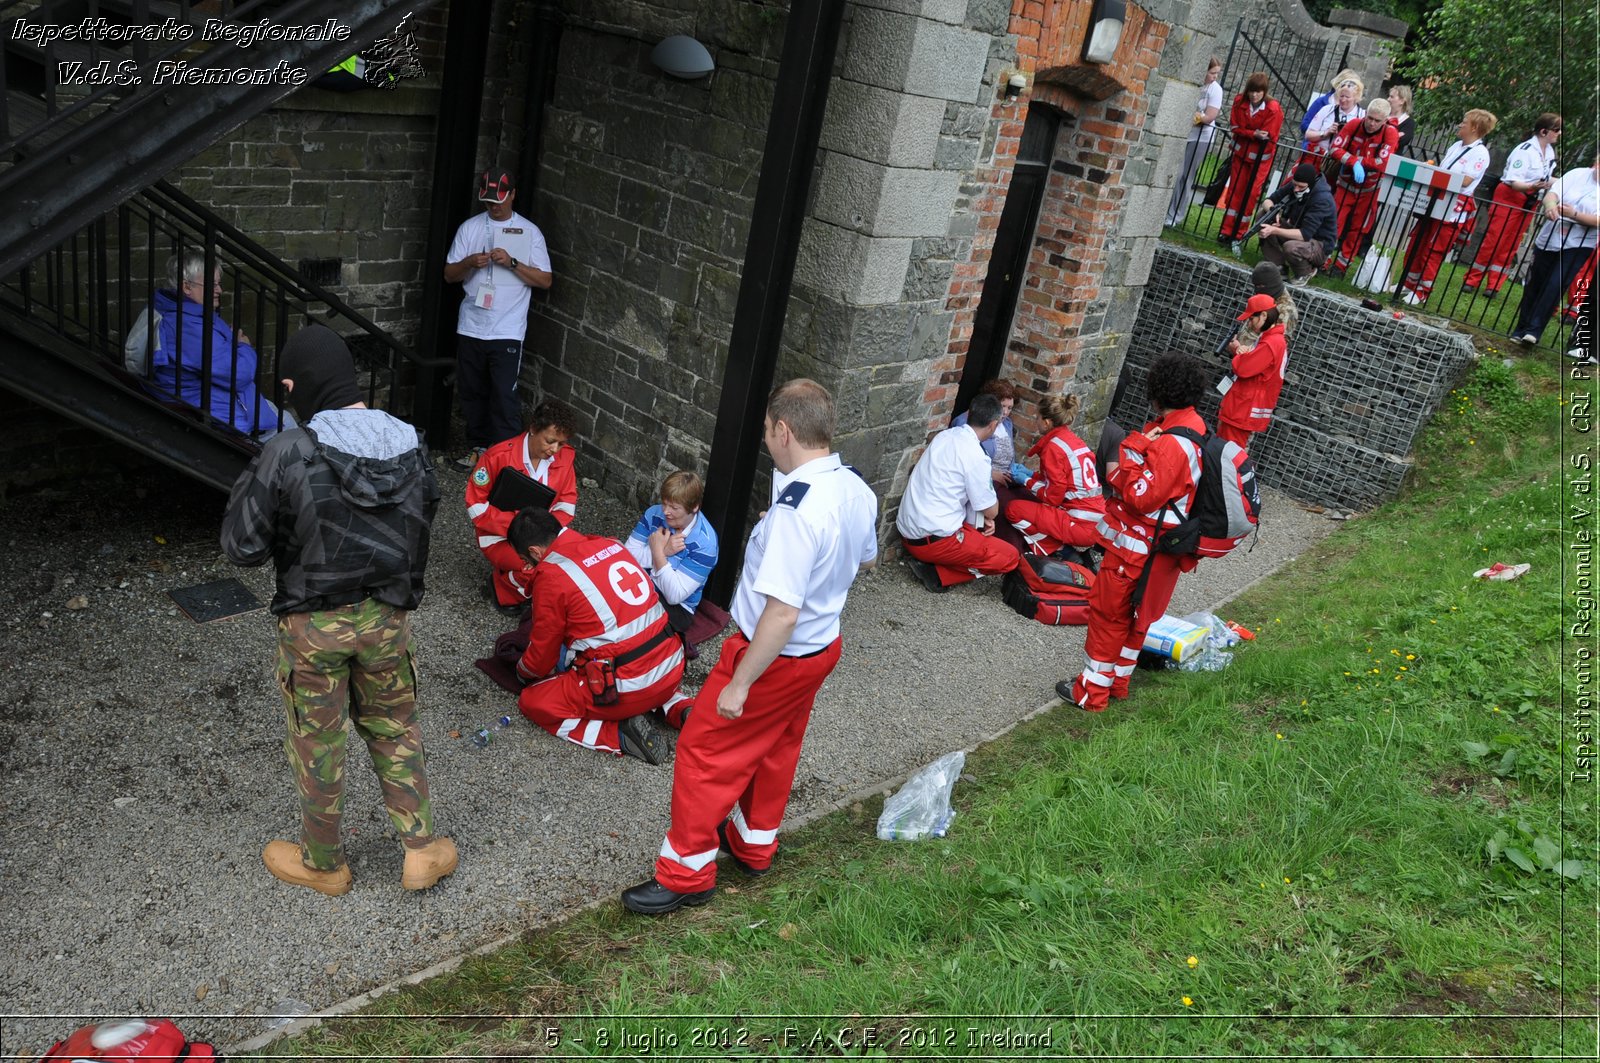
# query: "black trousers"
[[486, 377]]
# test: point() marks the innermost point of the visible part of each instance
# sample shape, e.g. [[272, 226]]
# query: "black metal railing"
[[1299, 68], [1472, 272], [216, 349]]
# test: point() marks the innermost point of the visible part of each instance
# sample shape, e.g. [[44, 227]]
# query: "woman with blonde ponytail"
[[1066, 503]]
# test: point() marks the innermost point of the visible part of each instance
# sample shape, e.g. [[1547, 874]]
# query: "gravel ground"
[[141, 763]]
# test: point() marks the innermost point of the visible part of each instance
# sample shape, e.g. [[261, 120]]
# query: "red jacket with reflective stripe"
[[1254, 395], [1066, 475], [561, 477], [590, 595], [1150, 475]]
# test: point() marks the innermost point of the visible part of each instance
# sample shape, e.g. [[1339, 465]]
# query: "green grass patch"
[[1352, 842]]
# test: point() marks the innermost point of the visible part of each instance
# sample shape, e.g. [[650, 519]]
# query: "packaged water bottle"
[[482, 737], [502, 723]]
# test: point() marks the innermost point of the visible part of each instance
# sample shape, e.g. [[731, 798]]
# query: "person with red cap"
[[497, 257], [1256, 378]]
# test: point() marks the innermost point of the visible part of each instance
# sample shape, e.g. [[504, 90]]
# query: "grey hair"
[[188, 267]]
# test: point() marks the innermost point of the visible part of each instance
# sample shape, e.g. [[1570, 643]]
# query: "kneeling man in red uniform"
[[948, 511], [591, 597], [1153, 483], [739, 747]]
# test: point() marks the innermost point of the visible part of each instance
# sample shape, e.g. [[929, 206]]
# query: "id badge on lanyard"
[[484, 300]]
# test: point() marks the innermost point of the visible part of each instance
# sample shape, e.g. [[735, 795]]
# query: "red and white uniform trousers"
[[1509, 218], [744, 766], [964, 556]]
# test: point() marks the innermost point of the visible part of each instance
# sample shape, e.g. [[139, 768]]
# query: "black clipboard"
[[514, 491]]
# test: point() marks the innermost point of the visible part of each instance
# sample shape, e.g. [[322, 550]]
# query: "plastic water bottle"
[[502, 723], [482, 737]]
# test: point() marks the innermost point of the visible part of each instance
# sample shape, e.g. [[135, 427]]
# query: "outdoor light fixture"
[[683, 57], [1105, 30], [1014, 86]]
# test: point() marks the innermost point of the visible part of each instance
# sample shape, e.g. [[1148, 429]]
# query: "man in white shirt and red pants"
[[740, 744]]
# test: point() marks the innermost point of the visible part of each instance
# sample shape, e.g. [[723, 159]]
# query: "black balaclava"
[[1268, 279], [324, 374]]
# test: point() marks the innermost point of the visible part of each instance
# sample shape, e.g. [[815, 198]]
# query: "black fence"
[[105, 292], [1299, 68], [1407, 248]]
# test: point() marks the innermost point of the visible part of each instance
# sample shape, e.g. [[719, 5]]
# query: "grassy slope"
[[1311, 825]]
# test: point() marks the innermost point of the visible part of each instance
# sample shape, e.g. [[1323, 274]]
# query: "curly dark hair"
[[1176, 380], [553, 413]]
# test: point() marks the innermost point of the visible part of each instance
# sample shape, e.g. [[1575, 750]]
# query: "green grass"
[[1326, 827]]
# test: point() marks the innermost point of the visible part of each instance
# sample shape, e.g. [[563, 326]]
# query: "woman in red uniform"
[[1254, 121], [1066, 505], [1257, 376]]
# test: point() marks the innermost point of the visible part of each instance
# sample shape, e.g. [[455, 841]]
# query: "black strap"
[[644, 647]]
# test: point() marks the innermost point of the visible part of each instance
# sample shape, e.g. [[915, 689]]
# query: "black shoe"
[[517, 612], [1072, 554], [1064, 691], [928, 575], [722, 843], [652, 898], [640, 737]]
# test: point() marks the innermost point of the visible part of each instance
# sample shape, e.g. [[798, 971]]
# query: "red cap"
[[1257, 304], [496, 186]]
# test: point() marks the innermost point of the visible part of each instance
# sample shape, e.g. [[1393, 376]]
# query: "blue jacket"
[[690, 566], [233, 378]]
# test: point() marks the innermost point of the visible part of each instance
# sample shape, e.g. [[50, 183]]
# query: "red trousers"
[[1431, 240], [1117, 628], [1047, 528], [744, 765], [511, 583], [1357, 212], [1246, 178], [966, 555], [563, 706], [1508, 223], [1234, 433]]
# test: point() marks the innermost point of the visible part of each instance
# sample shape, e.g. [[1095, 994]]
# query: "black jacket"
[[344, 508], [1313, 214]]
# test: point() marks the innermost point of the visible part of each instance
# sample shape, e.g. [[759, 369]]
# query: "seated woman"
[[676, 546], [1066, 503], [544, 455]]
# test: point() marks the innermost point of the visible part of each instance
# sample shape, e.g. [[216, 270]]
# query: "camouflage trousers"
[[355, 658]]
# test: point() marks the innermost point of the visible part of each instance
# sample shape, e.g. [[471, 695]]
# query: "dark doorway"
[[1008, 262]]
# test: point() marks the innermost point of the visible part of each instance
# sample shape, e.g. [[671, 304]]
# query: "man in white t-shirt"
[[496, 257]]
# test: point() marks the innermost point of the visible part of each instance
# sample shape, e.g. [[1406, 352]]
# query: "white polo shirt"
[[1529, 162], [818, 532], [507, 318], [949, 487], [1576, 188]]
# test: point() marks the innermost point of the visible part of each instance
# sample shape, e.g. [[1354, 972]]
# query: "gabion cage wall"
[[1359, 387]]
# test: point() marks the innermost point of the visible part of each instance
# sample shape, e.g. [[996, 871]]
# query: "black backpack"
[[1227, 501]]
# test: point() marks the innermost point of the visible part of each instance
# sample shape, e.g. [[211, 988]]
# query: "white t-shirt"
[[1210, 96], [1576, 188], [949, 486], [818, 532], [507, 317]]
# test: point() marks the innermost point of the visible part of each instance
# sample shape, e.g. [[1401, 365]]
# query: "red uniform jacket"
[[1066, 476], [491, 524], [1373, 149], [1150, 475], [591, 596], [1254, 395], [1243, 125]]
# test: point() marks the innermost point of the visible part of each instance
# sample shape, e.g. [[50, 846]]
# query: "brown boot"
[[283, 860], [429, 864]]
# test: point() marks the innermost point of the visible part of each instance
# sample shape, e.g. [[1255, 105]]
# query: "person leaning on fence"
[[1152, 480], [1433, 237], [1528, 172], [1202, 130], [1255, 121], [1564, 243], [1330, 118], [1366, 142], [1299, 238]]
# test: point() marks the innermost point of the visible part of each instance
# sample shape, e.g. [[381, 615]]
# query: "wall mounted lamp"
[[683, 57], [1014, 86], [1105, 30]]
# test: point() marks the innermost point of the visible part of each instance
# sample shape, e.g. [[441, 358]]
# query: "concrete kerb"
[[885, 786]]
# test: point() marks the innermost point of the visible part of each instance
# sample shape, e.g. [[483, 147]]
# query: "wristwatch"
[[514, 263]]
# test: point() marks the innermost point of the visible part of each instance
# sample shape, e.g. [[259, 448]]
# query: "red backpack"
[[1049, 590], [128, 1040]]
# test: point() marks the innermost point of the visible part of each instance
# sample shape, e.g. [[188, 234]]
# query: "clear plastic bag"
[[921, 808], [1214, 655]]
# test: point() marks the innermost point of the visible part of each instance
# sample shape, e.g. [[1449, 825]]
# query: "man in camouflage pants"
[[343, 505]]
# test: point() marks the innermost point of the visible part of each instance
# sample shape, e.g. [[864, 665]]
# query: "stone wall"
[[1360, 386]]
